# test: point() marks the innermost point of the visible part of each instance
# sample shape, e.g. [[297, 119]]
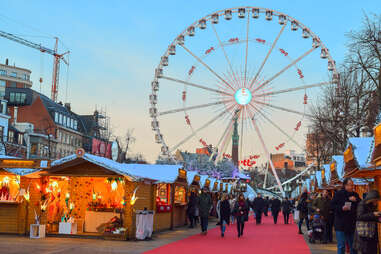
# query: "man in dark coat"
[[204, 204], [191, 210], [322, 205], [286, 209], [266, 207], [344, 204], [224, 213], [258, 206], [275, 208]]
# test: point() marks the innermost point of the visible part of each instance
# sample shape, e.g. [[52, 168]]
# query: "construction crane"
[[57, 58]]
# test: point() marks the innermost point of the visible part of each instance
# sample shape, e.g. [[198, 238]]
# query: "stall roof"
[[339, 165], [158, 172], [243, 176], [250, 193], [19, 171], [362, 149], [190, 176], [319, 178], [212, 181], [202, 180]]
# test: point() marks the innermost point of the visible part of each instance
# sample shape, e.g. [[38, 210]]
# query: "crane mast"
[[54, 53]]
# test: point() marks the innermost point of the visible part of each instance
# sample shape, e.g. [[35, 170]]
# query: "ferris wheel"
[[247, 72]]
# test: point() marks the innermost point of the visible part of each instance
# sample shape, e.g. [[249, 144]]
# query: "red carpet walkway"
[[266, 238]]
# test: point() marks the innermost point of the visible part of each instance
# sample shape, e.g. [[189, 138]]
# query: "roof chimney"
[[6, 61]]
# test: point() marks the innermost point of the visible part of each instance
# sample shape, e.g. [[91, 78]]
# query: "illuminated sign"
[[182, 173], [21, 163], [196, 178]]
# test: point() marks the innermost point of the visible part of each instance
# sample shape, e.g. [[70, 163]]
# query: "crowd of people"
[[353, 219]]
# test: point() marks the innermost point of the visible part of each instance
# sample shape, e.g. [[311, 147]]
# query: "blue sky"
[[116, 45]]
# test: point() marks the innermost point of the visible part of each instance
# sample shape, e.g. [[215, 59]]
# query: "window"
[[61, 117], [56, 117], [64, 121], [3, 72], [72, 123], [13, 84], [20, 140], [75, 124], [3, 83], [17, 98], [180, 195], [25, 77], [13, 74], [1, 133], [163, 194], [11, 137]]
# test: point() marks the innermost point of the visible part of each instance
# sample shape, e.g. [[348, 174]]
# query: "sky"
[[116, 45]]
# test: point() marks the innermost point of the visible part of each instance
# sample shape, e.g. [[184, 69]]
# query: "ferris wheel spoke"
[[195, 85], [198, 130], [267, 153], [241, 138], [228, 127], [247, 46], [192, 107], [267, 56], [294, 89], [223, 49], [285, 68], [279, 128], [207, 66], [283, 109]]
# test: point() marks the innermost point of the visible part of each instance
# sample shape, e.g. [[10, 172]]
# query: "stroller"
[[317, 229]]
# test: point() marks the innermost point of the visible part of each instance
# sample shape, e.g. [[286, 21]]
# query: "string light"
[[114, 185]]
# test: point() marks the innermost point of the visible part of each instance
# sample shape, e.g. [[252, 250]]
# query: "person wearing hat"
[[204, 204], [366, 241]]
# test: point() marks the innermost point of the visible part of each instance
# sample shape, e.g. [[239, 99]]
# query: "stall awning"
[[19, 171]]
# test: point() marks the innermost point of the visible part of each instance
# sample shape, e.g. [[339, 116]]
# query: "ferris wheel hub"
[[243, 96]]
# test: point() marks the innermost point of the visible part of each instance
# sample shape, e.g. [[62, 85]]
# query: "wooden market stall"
[[19, 197], [337, 171]]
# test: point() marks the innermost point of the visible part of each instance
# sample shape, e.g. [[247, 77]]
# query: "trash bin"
[[144, 224]]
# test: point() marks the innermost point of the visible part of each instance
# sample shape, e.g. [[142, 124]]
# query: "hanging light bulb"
[[114, 185]]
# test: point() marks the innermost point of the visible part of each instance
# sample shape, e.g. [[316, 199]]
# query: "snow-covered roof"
[[212, 181], [327, 173], [19, 171], [243, 176], [358, 181], [308, 184], [362, 149], [190, 176], [340, 164], [158, 172]]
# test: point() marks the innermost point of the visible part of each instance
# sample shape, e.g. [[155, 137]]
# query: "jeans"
[[286, 217], [204, 224], [232, 218], [301, 223], [343, 238], [191, 220], [240, 225], [328, 231], [275, 216], [258, 216], [223, 227]]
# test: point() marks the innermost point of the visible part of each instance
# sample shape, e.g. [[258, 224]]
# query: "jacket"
[[365, 213], [324, 205], [258, 204], [286, 206], [204, 203], [192, 205], [225, 211], [243, 211], [275, 205], [345, 220], [302, 208]]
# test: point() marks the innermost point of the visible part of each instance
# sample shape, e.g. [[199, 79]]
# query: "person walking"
[[345, 204], [224, 213], [275, 208], [191, 210], [232, 201], [366, 241], [258, 206], [241, 213], [303, 211], [266, 207], [204, 203], [286, 210], [218, 206], [322, 206]]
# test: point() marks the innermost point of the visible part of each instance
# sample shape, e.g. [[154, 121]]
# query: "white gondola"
[[282, 19], [255, 13], [180, 39], [215, 18], [241, 13], [228, 14], [190, 31], [153, 112], [159, 72], [315, 42], [164, 60], [155, 125], [202, 24], [324, 53], [153, 99], [172, 50], [305, 33], [158, 138], [164, 149], [155, 86], [269, 15], [331, 65], [294, 25], [336, 78]]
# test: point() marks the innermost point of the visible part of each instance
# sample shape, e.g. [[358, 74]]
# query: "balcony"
[[15, 79]]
